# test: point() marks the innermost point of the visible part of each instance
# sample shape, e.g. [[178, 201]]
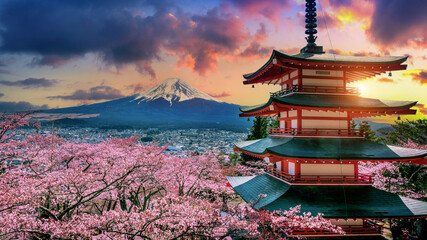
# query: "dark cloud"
[[53, 61], [256, 50], [220, 95], [397, 23], [206, 37], [1, 95], [120, 32], [96, 93], [420, 76], [20, 106], [30, 83]]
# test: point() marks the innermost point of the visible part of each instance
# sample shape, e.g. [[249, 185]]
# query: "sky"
[[56, 54]]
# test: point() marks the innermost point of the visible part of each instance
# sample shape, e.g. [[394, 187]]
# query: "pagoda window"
[[308, 113], [294, 123], [295, 82], [314, 72], [324, 124], [327, 169], [291, 168], [282, 124], [323, 82], [348, 222], [279, 165], [294, 74], [293, 113]]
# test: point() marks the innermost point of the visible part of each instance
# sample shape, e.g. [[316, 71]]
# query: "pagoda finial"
[[310, 20]]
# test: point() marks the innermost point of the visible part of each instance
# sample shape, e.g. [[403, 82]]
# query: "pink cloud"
[[220, 95]]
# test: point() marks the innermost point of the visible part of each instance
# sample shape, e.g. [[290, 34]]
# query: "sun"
[[362, 88]]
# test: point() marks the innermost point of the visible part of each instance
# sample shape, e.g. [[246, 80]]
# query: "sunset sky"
[[66, 53]]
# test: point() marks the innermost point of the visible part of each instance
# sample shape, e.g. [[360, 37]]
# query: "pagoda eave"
[[356, 113], [359, 202], [356, 68], [329, 150], [320, 102], [416, 160]]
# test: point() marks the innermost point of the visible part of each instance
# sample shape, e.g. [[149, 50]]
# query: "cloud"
[[261, 33], [328, 19], [341, 3], [421, 108], [135, 87], [30, 83], [419, 76], [397, 23], [51, 60], [385, 80], [361, 53], [255, 50], [267, 9], [220, 95], [20, 106], [96, 93], [119, 32], [203, 39]]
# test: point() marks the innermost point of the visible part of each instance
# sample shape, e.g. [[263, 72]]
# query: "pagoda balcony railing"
[[316, 132], [348, 229], [315, 89], [319, 179]]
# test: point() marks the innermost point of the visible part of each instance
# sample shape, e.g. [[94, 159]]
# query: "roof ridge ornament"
[[310, 20]]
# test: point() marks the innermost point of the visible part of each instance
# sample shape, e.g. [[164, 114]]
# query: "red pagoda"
[[315, 151]]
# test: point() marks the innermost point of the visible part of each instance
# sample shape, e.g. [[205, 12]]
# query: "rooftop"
[[328, 148], [358, 67], [333, 202], [337, 101]]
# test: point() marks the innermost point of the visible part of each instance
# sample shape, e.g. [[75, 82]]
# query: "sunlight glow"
[[362, 88]]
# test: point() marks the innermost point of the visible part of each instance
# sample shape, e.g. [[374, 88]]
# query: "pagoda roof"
[[333, 202], [330, 101], [328, 148], [364, 66]]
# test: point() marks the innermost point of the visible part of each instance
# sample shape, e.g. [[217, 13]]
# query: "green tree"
[[416, 131], [365, 128], [259, 129]]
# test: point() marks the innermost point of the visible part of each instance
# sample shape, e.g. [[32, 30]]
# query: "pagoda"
[[315, 152]]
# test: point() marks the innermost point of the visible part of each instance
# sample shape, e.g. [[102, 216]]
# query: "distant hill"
[[385, 127], [170, 104]]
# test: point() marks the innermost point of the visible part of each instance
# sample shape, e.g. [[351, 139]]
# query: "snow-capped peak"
[[172, 90]]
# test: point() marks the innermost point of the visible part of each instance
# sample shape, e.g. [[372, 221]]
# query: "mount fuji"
[[171, 104]]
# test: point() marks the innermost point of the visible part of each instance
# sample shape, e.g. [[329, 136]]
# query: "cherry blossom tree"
[[391, 177], [118, 189]]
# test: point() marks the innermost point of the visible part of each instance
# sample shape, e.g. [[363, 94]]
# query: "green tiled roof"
[[328, 148], [332, 101], [333, 202]]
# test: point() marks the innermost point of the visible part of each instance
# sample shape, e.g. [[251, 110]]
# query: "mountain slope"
[[170, 104], [172, 90]]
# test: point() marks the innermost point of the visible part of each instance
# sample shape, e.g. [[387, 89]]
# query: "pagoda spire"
[[310, 20]]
